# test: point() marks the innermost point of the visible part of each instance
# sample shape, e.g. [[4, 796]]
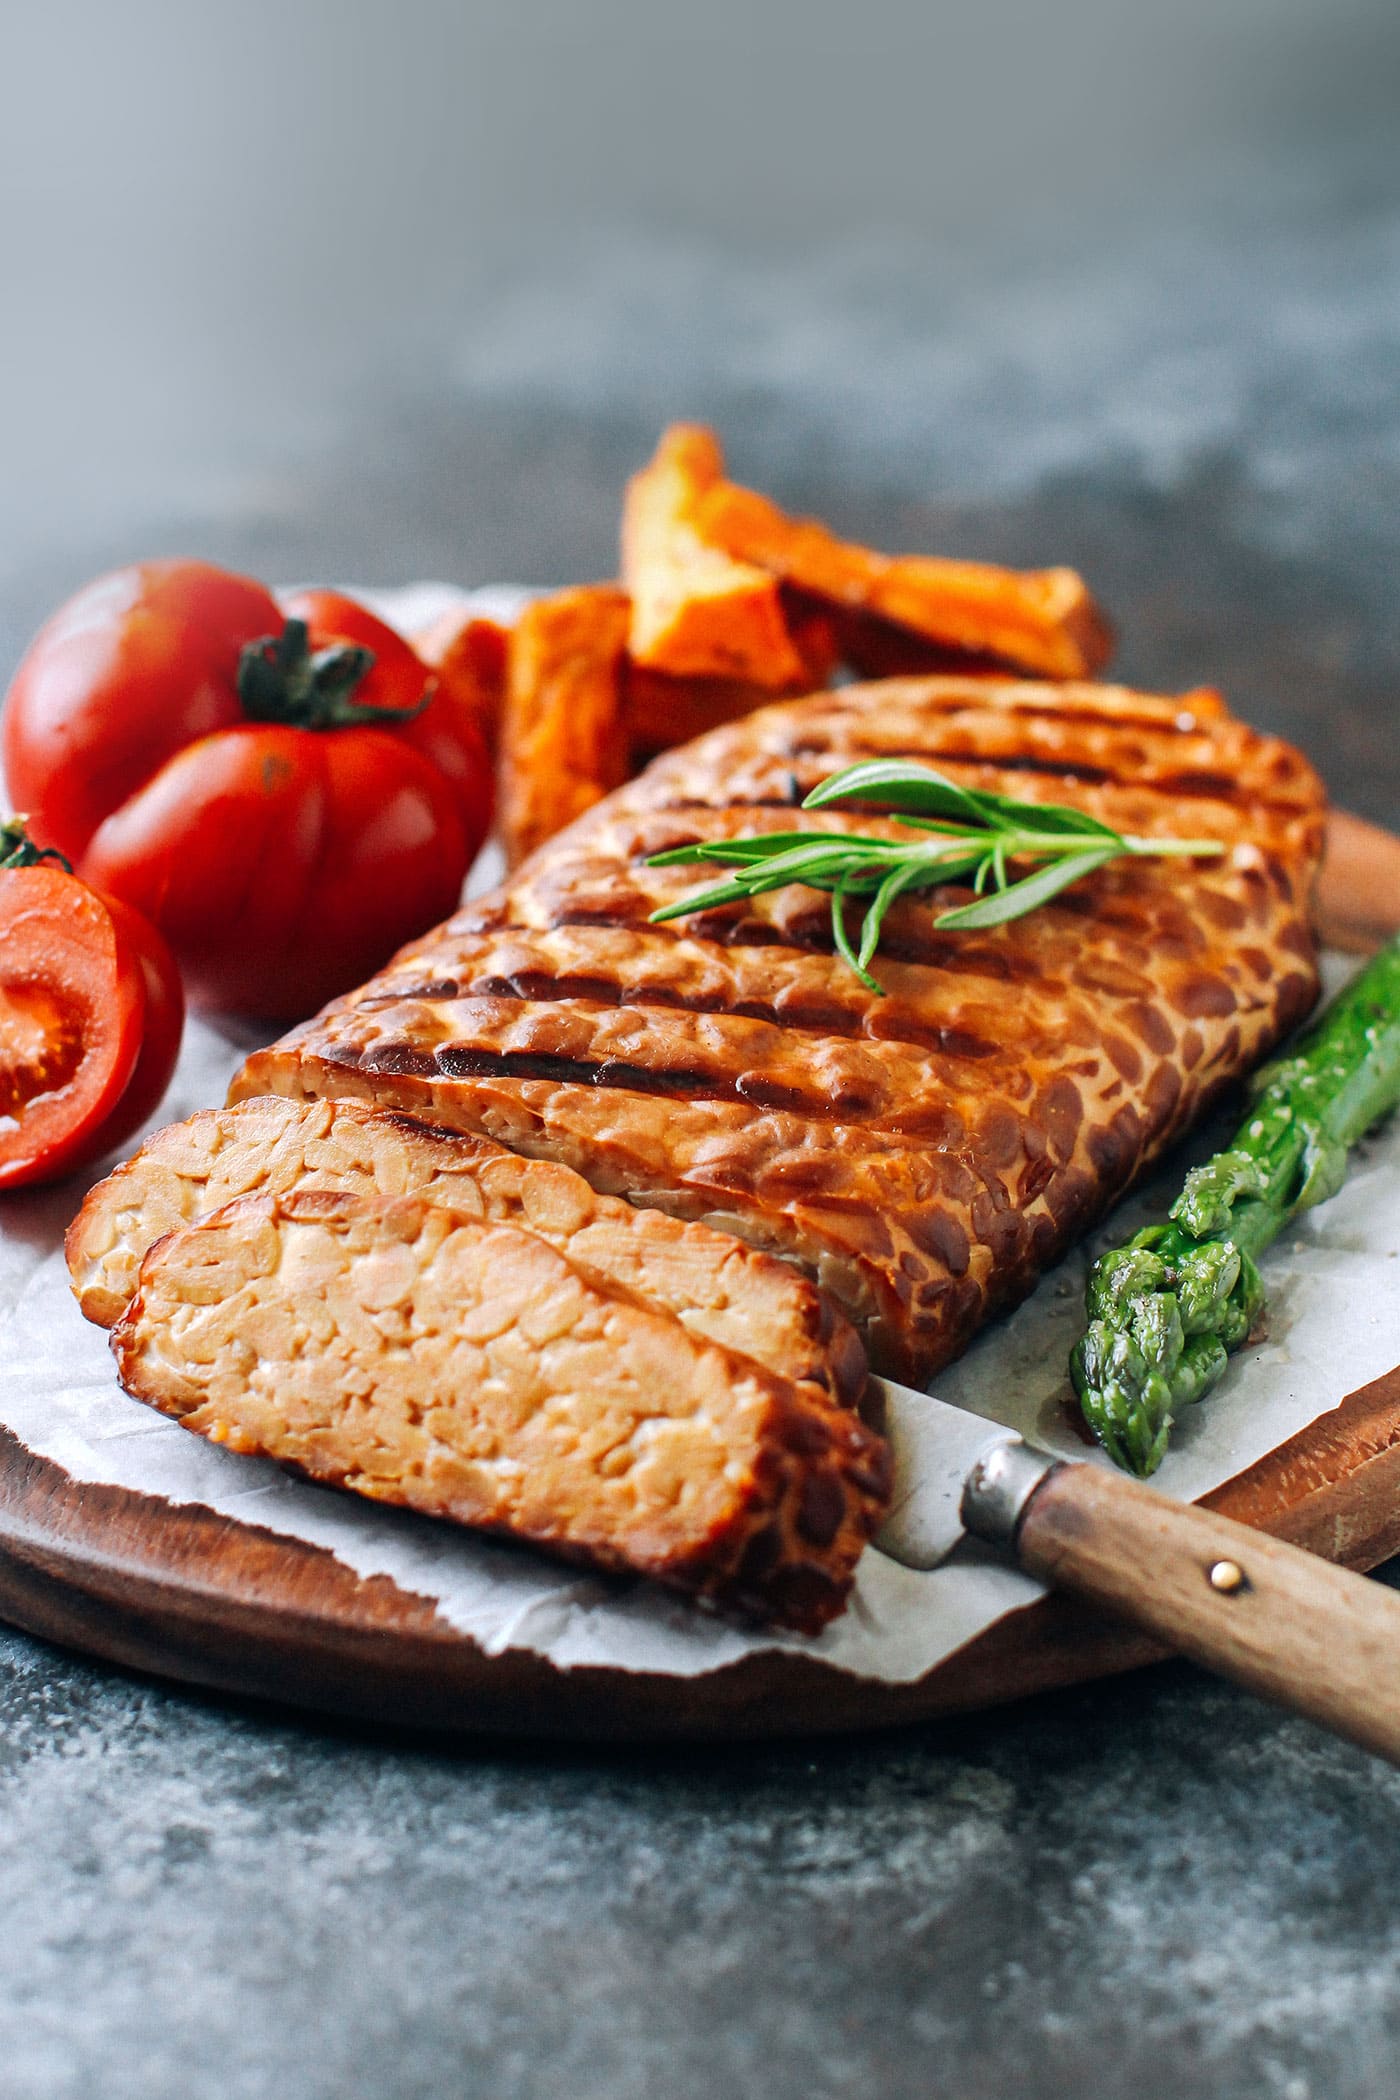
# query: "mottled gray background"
[[384, 292]]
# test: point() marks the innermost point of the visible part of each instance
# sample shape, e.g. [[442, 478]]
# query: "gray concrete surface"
[[1148, 1888], [1151, 1889]]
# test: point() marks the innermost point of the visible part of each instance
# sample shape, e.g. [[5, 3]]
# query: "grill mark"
[[1084, 771], [985, 970], [452, 1062], [536, 985], [1016, 694], [1177, 719], [1193, 783], [1181, 716], [539, 987], [880, 1089], [676, 808], [1140, 758], [807, 931], [881, 731]]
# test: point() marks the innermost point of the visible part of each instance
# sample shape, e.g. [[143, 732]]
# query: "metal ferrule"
[[1000, 1487]]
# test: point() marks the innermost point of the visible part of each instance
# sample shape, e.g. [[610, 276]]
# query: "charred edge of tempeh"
[[468, 1370], [730, 1292]]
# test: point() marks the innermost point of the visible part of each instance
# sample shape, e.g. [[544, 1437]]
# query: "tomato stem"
[[282, 679], [18, 850]]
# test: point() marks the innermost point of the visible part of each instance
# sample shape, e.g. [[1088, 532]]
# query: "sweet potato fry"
[[815, 627], [696, 612], [563, 738], [876, 648], [469, 655], [1042, 621], [663, 711]]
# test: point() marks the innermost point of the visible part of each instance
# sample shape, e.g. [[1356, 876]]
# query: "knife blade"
[[1295, 1629], [935, 1447]]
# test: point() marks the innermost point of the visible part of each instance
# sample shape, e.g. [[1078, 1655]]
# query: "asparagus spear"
[[1165, 1311]]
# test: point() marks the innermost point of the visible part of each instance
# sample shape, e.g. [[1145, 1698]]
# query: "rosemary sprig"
[[968, 837]]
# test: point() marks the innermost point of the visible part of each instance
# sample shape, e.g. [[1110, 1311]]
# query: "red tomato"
[[139, 664], [283, 866], [91, 1013], [447, 732], [289, 799]]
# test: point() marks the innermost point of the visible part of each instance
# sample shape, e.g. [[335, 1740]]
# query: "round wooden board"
[[184, 1593]]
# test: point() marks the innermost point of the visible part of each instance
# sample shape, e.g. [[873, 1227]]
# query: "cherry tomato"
[[91, 1014], [282, 789]]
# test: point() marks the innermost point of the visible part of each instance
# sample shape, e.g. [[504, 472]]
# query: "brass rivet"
[[1227, 1575]]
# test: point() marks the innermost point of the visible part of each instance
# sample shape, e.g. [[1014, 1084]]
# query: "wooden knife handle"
[[1357, 902], [1287, 1625]]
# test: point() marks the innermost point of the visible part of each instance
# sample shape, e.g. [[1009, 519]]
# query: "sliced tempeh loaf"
[[467, 1369], [924, 1155], [716, 1285]]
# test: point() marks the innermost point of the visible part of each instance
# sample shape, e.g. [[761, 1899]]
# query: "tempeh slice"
[[716, 1286], [468, 1370]]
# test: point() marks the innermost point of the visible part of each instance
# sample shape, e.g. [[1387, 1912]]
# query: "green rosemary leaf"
[[1048, 817], [842, 941], [934, 874], [818, 864], [759, 846], [905, 786], [702, 900], [963, 835], [898, 880], [942, 827], [1018, 898]]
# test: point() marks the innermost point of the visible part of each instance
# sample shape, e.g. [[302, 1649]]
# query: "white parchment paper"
[[1333, 1324]]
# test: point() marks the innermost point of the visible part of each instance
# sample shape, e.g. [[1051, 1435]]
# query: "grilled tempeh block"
[[467, 1369], [712, 1283], [924, 1156]]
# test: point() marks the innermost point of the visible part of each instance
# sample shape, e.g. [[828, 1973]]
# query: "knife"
[[1295, 1629]]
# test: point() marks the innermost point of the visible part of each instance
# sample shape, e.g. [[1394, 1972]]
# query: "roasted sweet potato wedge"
[[663, 710], [1038, 620], [563, 734], [469, 655], [876, 648], [695, 611]]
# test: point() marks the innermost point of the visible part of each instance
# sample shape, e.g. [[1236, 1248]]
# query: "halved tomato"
[[91, 1014]]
